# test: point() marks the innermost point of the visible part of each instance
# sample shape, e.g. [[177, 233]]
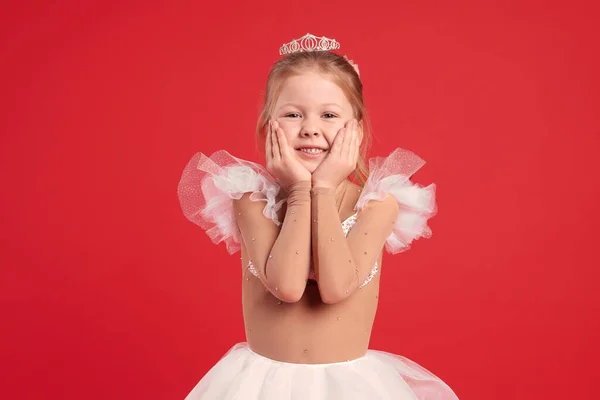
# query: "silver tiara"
[[309, 42]]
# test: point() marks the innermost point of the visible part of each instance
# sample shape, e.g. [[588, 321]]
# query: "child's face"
[[311, 110]]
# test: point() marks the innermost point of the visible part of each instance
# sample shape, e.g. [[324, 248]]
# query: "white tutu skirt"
[[243, 374]]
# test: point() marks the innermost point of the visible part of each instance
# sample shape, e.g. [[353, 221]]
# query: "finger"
[[356, 150], [348, 140], [268, 144], [353, 145], [336, 147], [283, 145], [344, 141], [275, 143]]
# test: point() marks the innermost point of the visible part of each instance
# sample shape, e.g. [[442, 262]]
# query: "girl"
[[311, 240]]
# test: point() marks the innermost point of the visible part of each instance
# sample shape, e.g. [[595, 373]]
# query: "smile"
[[311, 150]]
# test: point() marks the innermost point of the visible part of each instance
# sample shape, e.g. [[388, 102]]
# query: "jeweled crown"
[[309, 42]]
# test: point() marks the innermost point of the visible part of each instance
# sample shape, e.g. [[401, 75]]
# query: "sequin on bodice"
[[346, 226]]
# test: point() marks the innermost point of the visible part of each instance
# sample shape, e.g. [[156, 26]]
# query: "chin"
[[310, 167]]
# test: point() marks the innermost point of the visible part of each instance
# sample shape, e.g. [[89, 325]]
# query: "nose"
[[310, 128]]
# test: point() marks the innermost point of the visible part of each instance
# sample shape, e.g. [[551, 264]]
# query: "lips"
[[311, 151], [309, 147]]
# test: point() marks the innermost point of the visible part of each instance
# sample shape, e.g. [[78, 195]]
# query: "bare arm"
[[343, 263], [280, 255]]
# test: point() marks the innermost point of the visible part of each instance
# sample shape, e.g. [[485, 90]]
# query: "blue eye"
[[292, 115], [329, 115]]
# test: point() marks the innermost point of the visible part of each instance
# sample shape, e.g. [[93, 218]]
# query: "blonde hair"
[[336, 68]]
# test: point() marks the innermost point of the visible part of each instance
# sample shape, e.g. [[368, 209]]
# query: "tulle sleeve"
[[390, 176], [209, 185]]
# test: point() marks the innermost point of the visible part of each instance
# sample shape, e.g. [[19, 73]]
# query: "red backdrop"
[[108, 292]]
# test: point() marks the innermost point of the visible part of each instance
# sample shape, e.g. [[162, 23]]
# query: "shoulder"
[[389, 188], [390, 176], [355, 192], [225, 173], [210, 185]]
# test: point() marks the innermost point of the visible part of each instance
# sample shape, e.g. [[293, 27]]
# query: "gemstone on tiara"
[[309, 42]]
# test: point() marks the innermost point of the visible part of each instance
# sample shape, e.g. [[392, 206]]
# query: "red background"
[[108, 292]]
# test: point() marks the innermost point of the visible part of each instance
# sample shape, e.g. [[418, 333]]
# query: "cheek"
[[290, 129], [332, 133]]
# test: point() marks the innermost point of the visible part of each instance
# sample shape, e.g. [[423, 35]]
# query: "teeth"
[[312, 151]]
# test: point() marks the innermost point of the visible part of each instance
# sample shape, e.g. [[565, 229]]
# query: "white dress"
[[206, 192]]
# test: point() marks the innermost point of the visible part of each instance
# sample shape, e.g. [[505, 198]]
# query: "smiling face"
[[311, 110]]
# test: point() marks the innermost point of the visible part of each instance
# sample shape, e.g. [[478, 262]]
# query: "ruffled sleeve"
[[209, 185], [390, 176]]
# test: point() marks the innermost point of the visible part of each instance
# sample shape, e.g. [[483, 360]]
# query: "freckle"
[[377, 296], [365, 233], [332, 239], [305, 350], [297, 252], [349, 261], [365, 252], [294, 219], [338, 318]]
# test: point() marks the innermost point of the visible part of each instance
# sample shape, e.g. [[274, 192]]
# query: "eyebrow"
[[323, 105]]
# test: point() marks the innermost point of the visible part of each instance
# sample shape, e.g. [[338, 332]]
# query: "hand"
[[341, 160], [281, 161]]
